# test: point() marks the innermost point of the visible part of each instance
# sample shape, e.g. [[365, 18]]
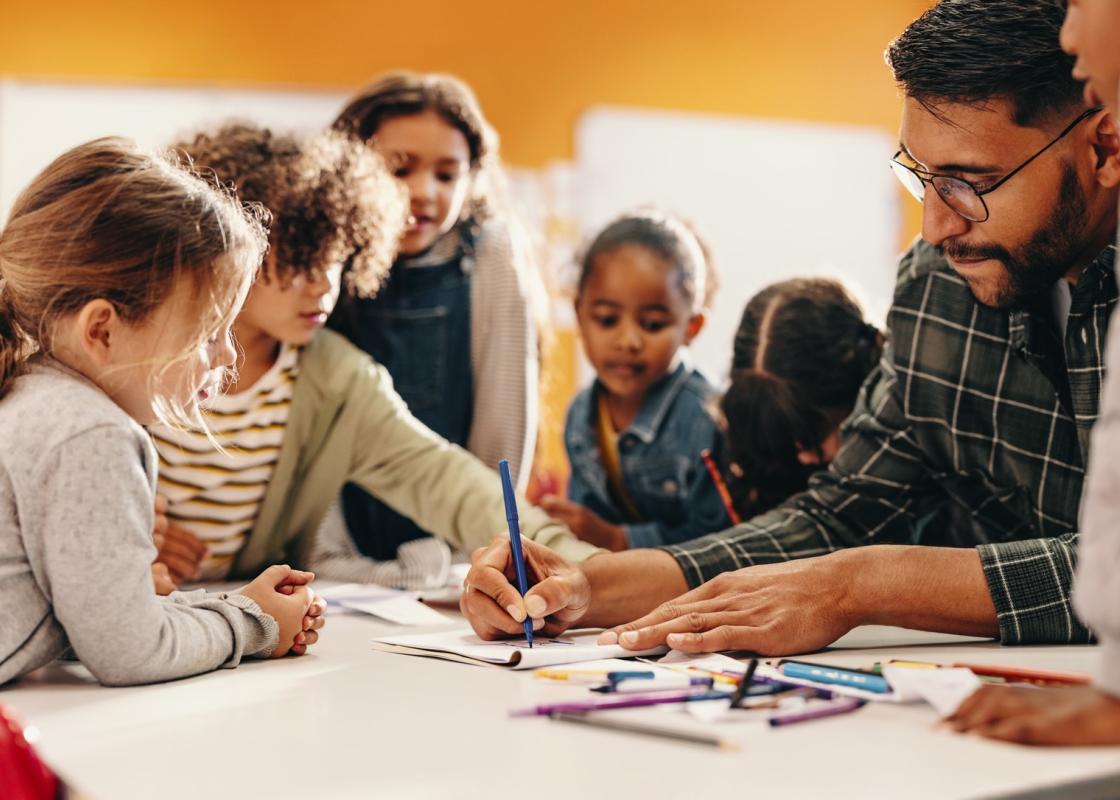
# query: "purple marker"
[[816, 712], [629, 701]]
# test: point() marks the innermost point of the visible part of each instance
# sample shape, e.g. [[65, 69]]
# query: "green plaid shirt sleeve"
[[972, 432]]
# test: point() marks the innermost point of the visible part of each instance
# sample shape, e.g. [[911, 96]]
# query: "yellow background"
[[535, 65]]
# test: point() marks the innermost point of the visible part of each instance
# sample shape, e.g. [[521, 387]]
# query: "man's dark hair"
[[976, 51]]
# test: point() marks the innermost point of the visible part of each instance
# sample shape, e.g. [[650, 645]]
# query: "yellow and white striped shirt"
[[217, 496]]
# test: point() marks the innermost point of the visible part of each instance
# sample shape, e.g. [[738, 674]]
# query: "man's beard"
[[1033, 268]]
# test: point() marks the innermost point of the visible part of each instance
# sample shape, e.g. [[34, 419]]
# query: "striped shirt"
[[217, 496], [973, 431]]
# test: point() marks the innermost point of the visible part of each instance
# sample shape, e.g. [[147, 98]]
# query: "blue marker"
[[823, 673], [515, 540]]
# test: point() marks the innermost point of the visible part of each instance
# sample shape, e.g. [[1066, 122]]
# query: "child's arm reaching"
[[89, 526]]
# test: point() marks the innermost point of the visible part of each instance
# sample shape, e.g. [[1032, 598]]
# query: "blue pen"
[[823, 673], [515, 540]]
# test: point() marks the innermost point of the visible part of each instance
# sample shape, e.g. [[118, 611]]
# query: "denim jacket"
[[660, 457]]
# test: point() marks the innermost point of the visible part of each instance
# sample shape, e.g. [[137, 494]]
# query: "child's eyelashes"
[[647, 324]]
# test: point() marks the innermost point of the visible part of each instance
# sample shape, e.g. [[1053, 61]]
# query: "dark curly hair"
[[332, 199], [801, 354]]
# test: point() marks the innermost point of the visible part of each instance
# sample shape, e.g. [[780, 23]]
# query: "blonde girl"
[[120, 276]]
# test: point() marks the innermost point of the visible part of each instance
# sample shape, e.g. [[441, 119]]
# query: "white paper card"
[[944, 689]]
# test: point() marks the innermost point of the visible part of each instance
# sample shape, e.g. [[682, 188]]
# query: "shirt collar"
[[659, 399], [1097, 278]]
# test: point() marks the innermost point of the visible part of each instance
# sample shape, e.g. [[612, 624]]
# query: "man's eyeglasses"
[[959, 194]]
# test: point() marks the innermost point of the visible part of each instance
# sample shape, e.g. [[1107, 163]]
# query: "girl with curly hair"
[[453, 323], [308, 411]]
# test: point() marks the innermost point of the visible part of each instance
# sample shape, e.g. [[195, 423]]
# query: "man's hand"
[[1075, 716], [772, 610], [559, 598], [585, 523]]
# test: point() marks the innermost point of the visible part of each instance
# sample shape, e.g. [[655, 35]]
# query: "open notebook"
[[464, 646]]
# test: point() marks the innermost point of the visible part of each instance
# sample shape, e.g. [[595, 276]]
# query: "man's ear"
[[695, 325], [97, 322], [1105, 140]]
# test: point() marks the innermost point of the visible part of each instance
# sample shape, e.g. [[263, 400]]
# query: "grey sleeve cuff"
[[255, 633]]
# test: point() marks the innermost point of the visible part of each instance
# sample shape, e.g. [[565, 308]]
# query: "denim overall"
[[418, 327]]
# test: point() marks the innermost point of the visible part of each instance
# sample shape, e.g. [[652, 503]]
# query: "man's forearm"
[[925, 588], [627, 585]]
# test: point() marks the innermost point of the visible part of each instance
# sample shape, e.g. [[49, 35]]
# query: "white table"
[[347, 721]]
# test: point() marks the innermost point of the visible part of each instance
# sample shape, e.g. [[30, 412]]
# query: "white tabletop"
[[347, 721]]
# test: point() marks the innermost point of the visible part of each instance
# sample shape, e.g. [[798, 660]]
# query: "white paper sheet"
[[392, 605], [462, 645], [944, 689]]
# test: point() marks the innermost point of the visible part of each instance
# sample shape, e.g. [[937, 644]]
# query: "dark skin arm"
[[772, 609]]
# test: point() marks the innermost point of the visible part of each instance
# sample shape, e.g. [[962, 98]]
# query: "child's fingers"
[[313, 623], [299, 577], [186, 541], [318, 607]]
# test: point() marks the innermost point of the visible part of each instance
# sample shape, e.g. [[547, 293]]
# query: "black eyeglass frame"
[[927, 178]]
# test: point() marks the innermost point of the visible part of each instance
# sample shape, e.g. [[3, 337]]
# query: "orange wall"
[[535, 65]]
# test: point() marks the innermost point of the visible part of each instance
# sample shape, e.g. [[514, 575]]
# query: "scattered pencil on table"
[[595, 675], [721, 487], [1025, 675], [644, 729], [816, 712], [627, 701], [744, 685]]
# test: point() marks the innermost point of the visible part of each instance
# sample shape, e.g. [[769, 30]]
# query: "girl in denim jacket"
[[634, 437]]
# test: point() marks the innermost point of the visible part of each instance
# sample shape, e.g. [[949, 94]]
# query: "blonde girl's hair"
[[109, 220], [403, 94]]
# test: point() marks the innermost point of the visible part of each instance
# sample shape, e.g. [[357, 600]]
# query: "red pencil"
[[1025, 675], [721, 487]]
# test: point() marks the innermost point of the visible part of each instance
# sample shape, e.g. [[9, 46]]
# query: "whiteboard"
[[774, 200], [39, 121]]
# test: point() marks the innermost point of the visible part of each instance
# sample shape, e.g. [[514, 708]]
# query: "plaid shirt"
[[973, 431]]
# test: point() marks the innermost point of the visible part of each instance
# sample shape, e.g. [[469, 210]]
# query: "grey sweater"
[[77, 481]]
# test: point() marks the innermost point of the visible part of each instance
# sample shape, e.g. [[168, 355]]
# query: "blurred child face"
[[1092, 33], [633, 318], [290, 313], [433, 160], [161, 357]]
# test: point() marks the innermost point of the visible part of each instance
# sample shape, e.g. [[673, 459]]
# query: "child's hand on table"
[[284, 594], [1077, 715], [585, 523]]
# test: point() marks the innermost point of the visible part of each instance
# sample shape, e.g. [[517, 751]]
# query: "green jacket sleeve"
[[440, 486]]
